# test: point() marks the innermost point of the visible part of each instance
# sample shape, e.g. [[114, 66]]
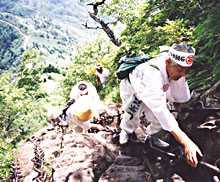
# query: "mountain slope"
[[54, 27]]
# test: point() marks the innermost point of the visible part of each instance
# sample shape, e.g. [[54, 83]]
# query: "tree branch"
[[104, 25], [106, 28], [88, 27], [211, 90], [95, 6]]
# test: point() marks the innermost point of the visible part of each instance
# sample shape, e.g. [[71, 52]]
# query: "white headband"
[[182, 58]]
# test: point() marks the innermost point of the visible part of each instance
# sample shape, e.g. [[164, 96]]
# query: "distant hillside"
[[54, 27], [11, 42]]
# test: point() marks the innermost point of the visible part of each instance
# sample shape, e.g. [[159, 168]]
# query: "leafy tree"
[[206, 39], [29, 73], [18, 111], [51, 69], [124, 11], [166, 22]]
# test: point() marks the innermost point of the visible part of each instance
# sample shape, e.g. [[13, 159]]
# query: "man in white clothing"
[[147, 90], [83, 106], [102, 75]]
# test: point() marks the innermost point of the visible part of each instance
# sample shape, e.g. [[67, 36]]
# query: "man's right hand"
[[191, 150]]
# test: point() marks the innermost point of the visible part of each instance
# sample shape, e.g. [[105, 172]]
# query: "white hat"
[[181, 58]]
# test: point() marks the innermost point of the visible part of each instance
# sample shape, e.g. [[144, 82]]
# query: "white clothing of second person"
[[83, 102], [103, 76], [152, 88]]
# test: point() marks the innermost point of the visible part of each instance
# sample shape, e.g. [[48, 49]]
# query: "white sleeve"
[[148, 88], [179, 90], [95, 101], [92, 92], [106, 72]]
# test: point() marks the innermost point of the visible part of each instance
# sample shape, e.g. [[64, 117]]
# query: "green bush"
[[6, 158], [51, 69]]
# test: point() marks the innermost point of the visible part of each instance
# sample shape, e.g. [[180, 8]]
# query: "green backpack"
[[128, 64]]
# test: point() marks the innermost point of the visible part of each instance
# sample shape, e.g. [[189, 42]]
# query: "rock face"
[[125, 168], [82, 157], [78, 157]]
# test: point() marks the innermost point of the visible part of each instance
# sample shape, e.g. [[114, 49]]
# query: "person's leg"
[[130, 120]]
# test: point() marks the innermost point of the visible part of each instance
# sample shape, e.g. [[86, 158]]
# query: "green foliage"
[[83, 67], [207, 41], [18, 111], [173, 31], [124, 11], [51, 69], [20, 116], [22, 106], [168, 22], [6, 158], [111, 93], [153, 29], [192, 10], [30, 72]]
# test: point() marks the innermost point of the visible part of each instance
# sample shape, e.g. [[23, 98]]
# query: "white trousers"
[[134, 109]]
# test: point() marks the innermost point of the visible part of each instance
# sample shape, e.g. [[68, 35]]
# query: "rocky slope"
[[81, 156], [59, 154]]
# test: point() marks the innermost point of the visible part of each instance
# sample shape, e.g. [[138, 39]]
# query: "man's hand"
[[191, 150]]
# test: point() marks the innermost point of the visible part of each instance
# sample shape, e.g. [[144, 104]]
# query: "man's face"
[[175, 71]]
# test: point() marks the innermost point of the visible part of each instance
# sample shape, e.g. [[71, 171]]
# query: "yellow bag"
[[82, 108]]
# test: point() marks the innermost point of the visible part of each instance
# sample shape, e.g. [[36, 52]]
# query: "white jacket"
[[103, 76], [153, 88], [92, 99]]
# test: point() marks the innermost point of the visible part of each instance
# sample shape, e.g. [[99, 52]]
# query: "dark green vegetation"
[[148, 25], [10, 41]]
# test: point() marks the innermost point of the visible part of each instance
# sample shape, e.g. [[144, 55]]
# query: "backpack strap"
[[154, 66]]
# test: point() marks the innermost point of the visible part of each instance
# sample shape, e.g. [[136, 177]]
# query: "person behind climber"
[[81, 114], [78, 90], [84, 104], [102, 75], [147, 90]]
